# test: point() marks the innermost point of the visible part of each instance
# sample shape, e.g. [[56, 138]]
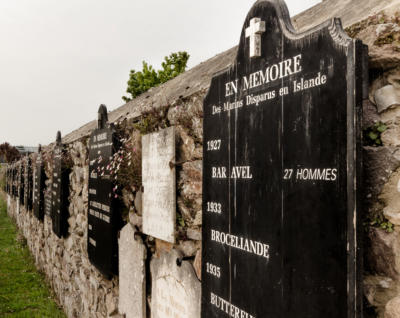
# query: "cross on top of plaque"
[[254, 31]]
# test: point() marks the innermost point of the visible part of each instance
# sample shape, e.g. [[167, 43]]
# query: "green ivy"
[[372, 135], [151, 121], [179, 220], [381, 222]]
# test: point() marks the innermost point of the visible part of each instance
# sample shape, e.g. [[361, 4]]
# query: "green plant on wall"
[[151, 121], [141, 81], [179, 219], [372, 135], [381, 222], [124, 167]]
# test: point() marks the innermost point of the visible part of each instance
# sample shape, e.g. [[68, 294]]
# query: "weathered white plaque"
[[176, 291], [132, 274], [158, 178]]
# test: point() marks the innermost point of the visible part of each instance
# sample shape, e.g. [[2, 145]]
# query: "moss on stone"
[[376, 19]]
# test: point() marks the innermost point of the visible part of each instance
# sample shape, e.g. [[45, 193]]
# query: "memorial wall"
[[298, 201]]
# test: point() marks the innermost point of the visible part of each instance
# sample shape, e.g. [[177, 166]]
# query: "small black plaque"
[[60, 191], [104, 220], [21, 182], [48, 200], [8, 179], [14, 181], [28, 194], [281, 225], [39, 185]]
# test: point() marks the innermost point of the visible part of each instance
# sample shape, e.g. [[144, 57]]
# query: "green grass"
[[23, 291]]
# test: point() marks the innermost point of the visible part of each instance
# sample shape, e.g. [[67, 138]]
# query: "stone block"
[[176, 291], [159, 182], [386, 97], [132, 274]]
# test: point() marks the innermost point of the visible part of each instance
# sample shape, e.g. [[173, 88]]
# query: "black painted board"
[[14, 188], [28, 189], [6, 185], [48, 200], [21, 182], [15, 180], [9, 183], [281, 167], [39, 186], [8, 180], [60, 193], [104, 220]]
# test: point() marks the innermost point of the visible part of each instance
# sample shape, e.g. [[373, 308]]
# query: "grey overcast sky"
[[59, 60]]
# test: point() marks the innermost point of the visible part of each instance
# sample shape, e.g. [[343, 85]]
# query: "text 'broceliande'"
[[250, 246]]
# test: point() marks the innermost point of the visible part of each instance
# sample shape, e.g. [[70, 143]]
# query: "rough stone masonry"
[[83, 292]]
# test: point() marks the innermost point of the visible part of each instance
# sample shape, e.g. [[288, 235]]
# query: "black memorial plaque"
[[48, 200], [39, 186], [104, 220], [8, 180], [6, 185], [281, 219], [16, 181], [28, 190], [60, 191], [21, 182], [14, 188]]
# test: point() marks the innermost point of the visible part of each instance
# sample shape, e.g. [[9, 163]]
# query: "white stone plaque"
[[132, 274], [158, 178], [176, 291]]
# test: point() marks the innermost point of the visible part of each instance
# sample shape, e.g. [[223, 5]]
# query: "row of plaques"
[[28, 186], [104, 219]]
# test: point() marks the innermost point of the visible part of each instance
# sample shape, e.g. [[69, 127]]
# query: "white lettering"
[[92, 241], [227, 307], [327, 174], [234, 105], [271, 73], [297, 65], [250, 246], [304, 84], [218, 172], [231, 88], [241, 172]]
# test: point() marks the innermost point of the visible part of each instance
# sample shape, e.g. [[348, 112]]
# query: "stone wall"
[[381, 158], [84, 292], [80, 288]]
